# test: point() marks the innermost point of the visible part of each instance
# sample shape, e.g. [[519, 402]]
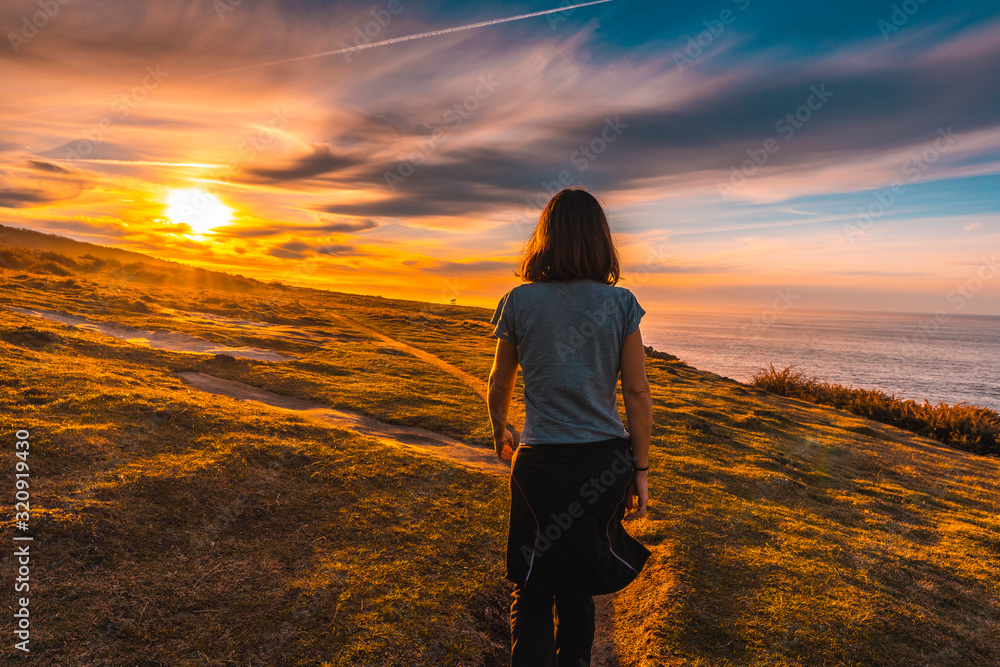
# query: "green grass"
[[174, 527]]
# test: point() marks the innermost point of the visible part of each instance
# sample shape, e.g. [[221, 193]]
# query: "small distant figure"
[[575, 470], [454, 301]]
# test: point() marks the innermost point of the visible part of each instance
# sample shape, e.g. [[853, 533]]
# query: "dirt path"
[[605, 651], [413, 437], [477, 384]]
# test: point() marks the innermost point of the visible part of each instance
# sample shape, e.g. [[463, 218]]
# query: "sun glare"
[[197, 209]]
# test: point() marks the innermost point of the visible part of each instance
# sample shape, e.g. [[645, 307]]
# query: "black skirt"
[[567, 502]]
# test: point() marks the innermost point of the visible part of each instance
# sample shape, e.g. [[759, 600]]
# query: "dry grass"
[[178, 528]]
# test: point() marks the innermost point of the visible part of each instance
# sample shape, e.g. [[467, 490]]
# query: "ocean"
[[910, 355]]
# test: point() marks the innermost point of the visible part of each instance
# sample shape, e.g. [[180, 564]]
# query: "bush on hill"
[[62, 260], [966, 427], [49, 266], [16, 258]]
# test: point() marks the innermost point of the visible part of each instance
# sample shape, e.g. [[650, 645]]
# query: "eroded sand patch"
[[160, 339]]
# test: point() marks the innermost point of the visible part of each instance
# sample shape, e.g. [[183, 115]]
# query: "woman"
[[574, 468]]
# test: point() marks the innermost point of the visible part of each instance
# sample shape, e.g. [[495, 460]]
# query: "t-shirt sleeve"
[[634, 313], [503, 319]]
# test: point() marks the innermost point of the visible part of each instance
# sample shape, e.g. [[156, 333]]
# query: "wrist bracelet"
[[640, 469]]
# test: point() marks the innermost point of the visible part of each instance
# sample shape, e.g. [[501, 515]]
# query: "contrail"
[[407, 38]]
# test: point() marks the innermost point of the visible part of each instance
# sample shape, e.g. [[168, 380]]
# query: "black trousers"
[[567, 503], [540, 640]]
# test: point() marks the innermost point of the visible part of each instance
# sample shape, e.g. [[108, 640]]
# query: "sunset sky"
[[735, 144]]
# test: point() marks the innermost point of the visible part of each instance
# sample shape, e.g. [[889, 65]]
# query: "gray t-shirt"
[[569, 337]]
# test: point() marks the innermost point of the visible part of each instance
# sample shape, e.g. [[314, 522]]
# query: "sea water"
[[909, 355]]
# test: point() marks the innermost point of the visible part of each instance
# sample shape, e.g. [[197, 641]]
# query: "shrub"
[[48, 266], [63, 260], [16, 258], [962, 426]]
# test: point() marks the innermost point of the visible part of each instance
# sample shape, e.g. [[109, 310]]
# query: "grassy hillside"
[[174, 527], [19, 237], [788, 533], [38, 252]]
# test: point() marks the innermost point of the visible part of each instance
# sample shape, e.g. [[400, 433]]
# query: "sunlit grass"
[[185, 528]]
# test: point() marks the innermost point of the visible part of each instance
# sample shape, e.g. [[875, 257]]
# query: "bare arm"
[[637, 398], [503, 376], [639, 412]]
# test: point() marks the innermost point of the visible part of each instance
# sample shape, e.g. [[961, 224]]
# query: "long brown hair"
[[572, 240]]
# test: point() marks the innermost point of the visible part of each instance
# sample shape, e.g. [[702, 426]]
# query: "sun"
[[199, 210]]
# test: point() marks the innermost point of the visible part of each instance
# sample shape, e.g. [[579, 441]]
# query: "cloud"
[[295, 246], [40, 184], [341, 226], [348, 226], [322, 160], [480, 266], [21, 198], [285, 254], [877, 274], [335, 249], [91, 150], [297, 249], [256, 231], [460, 200], [680, 268], [973, 226], [871, 105], [47, 166]]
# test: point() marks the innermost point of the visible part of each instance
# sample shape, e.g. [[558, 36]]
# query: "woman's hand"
[[637, 497], [505, 443]]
